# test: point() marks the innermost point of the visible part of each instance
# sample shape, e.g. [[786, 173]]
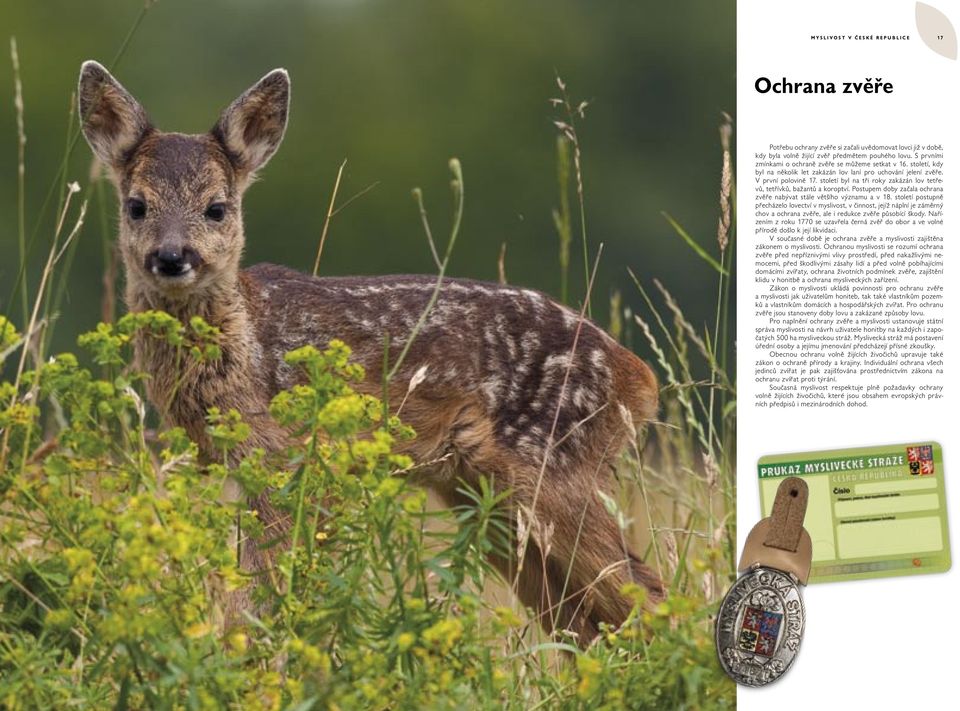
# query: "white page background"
[[890, 642]]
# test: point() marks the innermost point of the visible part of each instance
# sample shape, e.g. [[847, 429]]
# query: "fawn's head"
[[181, 227]]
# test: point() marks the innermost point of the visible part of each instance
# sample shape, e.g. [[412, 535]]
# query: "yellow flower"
[[8, 333], [444, 634], [589, 669], [416, 604], [313, 656], [405, 640], [636, 593], [198, 629], [59, 618], [414, 503], [238, 642], [389, 487], [506, 617]]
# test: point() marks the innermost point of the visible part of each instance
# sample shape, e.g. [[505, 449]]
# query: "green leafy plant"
[[116, 555]]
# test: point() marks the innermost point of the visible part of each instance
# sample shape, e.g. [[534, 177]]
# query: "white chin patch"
[[184, 271]]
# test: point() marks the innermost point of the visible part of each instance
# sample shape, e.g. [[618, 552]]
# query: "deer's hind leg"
[[593, 555], [576, 560], [589, 559], [538, 581]]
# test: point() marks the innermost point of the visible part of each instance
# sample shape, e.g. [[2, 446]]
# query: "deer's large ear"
[[112, 120], [252, 127]]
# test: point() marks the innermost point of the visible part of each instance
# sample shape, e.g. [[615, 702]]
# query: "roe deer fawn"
[[506, 393]]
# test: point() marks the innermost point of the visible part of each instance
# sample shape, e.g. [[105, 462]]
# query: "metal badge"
[[760, 626]]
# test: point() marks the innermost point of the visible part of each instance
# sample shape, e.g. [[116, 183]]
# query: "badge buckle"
[[761, 620]]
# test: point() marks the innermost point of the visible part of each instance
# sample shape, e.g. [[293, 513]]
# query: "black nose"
[[170, 261], [170, 258]]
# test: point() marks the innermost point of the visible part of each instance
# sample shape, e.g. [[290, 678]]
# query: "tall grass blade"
[[694, 245]]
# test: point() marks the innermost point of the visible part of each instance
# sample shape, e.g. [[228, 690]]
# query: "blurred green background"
[[398, 87]]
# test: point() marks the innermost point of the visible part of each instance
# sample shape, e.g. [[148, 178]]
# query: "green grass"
[[115, 554]]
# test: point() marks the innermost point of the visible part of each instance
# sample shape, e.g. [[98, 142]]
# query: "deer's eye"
[[136, 208], [216, 212]]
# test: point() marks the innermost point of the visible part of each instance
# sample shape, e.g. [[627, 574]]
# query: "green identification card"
[[873, 512]]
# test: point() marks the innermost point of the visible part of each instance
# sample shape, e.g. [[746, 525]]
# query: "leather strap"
[[781, 541], [786, 519]]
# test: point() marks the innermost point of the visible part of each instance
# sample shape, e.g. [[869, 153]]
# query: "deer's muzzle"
[[170, 261]]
